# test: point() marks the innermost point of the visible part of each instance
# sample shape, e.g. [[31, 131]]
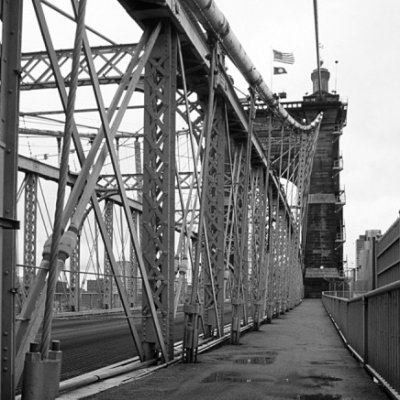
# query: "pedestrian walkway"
[[298, 356]]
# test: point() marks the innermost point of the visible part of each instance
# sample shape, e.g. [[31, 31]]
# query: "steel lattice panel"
[[159, 184], [214, 220]]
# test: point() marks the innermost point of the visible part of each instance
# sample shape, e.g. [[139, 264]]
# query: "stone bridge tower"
[[325, 231]]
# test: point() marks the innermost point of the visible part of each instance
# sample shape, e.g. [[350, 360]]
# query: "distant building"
[[95, 285], [62, 287], [365, 260], [388, 256]]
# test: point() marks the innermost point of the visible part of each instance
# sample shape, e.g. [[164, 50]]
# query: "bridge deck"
[[299, 356]]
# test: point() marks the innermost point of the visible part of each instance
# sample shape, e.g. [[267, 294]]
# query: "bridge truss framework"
[[226, 225]]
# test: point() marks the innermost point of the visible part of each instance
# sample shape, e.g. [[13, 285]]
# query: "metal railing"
[[370, 326], [388, 255]]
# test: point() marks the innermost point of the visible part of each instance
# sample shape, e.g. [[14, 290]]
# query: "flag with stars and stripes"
[[286, 58]]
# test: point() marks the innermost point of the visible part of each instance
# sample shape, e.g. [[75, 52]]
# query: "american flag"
[[286, 58]]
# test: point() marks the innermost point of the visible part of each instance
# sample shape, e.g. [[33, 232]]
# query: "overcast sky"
[[362, 35]]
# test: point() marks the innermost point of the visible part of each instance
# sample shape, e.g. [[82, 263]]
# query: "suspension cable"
[[212, 18]]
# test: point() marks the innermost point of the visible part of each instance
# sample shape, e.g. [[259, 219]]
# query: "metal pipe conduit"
[[213, 20]]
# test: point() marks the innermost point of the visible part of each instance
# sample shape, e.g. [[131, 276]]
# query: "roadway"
[[92, 342]]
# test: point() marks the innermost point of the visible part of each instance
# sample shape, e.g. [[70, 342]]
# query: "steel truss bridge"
[[179, 189]]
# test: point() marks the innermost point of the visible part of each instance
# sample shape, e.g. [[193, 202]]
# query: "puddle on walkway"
[[323, 379], [311, 381], [225, 376], [265, 358], [255, 360], [324, 362], [319, 396]]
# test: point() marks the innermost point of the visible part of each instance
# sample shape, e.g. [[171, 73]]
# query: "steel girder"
[[107, 281], [111, 61], [213, 256], [11, 15], [258, 228], [278, 256], [74, 275], [83, 190], [240, 235], [158, 219], [308, 145], [134, 182], [30, 224], [133, 282]]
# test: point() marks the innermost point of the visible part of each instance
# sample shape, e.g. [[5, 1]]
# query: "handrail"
[[369, 327], [387, 288], [384, 289]]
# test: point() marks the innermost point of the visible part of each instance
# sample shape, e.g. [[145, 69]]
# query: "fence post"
[[365, 329]]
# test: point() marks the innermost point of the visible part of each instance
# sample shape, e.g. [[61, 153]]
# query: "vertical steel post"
[[271, 254], [280, 216], [268, 227], [213, 266], [299, 238], [30, 223], [238, 236], [138, 164], [9, 112], [229, 214], [276, 252], [284, 261], [264, 257], [258, 213], [74, 287], [108, 280], [297, 243], [133, 285], [192, 310], [240, 285], [159, 187], [365, 329], [134, 289]]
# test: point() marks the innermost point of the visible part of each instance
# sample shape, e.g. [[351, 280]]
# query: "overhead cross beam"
[[111, 62]]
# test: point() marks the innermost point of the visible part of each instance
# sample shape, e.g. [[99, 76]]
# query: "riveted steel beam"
[[158, 219], [111, 61], [213, 264], [30, 225], [10, 60]]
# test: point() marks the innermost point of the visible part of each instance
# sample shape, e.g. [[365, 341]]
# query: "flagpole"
[[317, 46]]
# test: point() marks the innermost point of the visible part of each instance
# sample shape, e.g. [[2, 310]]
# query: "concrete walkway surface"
[[298, 356]]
